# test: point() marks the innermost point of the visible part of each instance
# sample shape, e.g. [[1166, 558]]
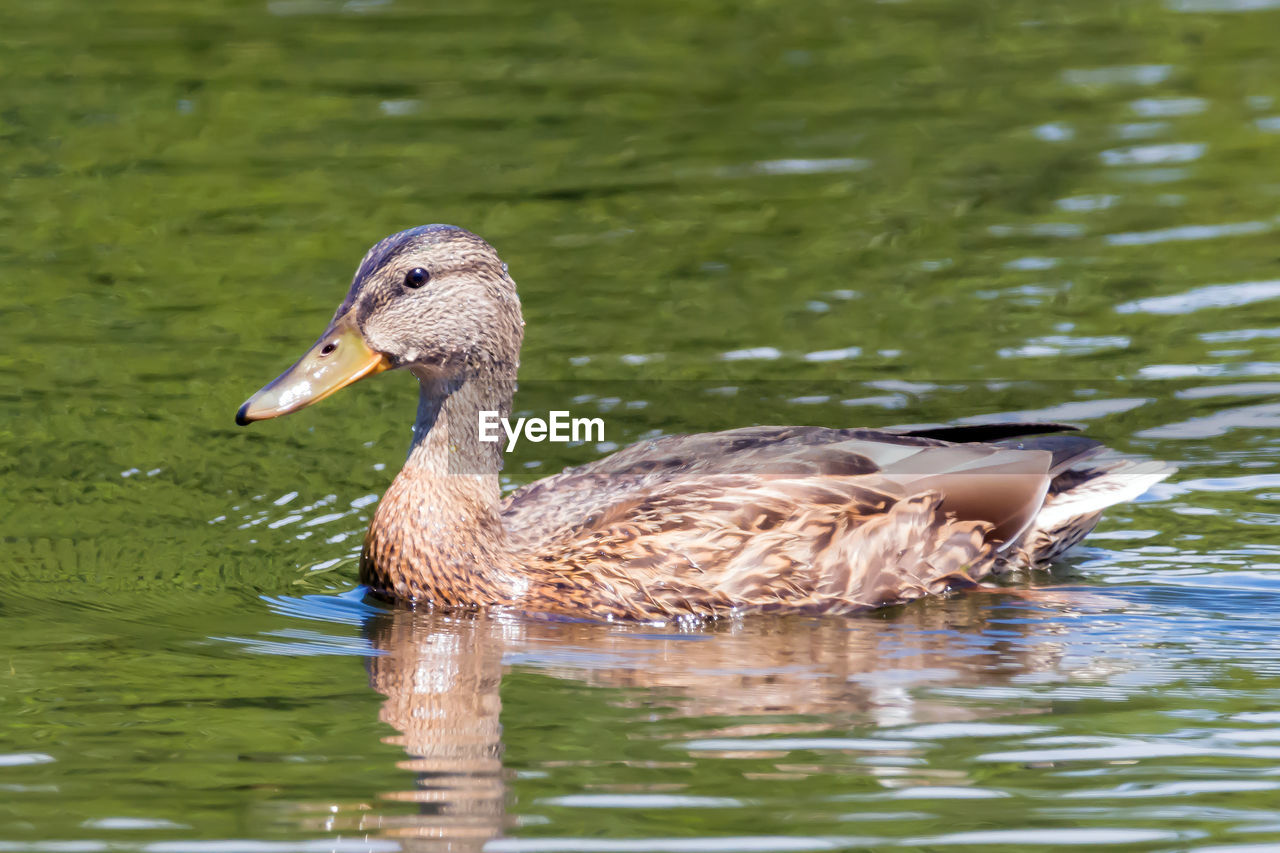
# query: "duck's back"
[[799, 517]]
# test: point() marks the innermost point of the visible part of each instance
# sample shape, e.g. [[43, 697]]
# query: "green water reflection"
[[847, 213]]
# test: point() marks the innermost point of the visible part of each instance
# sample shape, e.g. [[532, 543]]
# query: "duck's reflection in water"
[[441, 678], [442, 675]]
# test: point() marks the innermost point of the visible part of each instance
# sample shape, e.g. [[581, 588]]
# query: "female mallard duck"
[[758, 519]]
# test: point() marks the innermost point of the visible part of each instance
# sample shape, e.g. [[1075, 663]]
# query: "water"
[[804, 212]]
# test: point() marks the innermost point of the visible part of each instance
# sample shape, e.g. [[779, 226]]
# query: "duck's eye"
[[416, 277]]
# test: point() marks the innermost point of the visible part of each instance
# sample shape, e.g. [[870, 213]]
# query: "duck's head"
[[435, 299]]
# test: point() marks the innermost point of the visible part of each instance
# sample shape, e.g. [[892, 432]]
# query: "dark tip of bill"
[[240, 418]]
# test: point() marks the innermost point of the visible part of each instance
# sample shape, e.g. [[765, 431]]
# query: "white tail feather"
[[1121, 482]]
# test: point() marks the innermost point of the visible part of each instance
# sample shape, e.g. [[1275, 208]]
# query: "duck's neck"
[[437, 535]]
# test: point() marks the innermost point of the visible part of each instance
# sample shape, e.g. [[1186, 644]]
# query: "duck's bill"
[[339, 358]]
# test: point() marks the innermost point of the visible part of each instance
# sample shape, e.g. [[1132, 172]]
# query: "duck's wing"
[[567, 499], [833, 521], [785, 518], [724, 542]]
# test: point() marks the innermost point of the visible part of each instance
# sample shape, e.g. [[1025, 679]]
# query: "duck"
[[760, 519]]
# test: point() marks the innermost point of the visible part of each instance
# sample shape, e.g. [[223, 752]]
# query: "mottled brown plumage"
[[761, 519]]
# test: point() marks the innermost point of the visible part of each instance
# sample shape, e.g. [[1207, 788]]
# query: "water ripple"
[[642, 801], [1124, 749], [1262, 417], [1152, 107], [1175, 789], [1059, 345], [1064, 836], [1188, 232], [1139, 75], [703, 844], [1200, 298], [18, 759], [792, 744], [1151, 155], [1219, 6]]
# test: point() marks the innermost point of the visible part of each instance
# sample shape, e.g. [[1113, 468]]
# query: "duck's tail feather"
[[1077, 496]]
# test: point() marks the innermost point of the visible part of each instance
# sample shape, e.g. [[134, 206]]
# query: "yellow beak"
[[339, 358]]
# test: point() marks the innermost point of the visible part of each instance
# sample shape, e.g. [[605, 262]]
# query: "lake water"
[[718, 214]]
